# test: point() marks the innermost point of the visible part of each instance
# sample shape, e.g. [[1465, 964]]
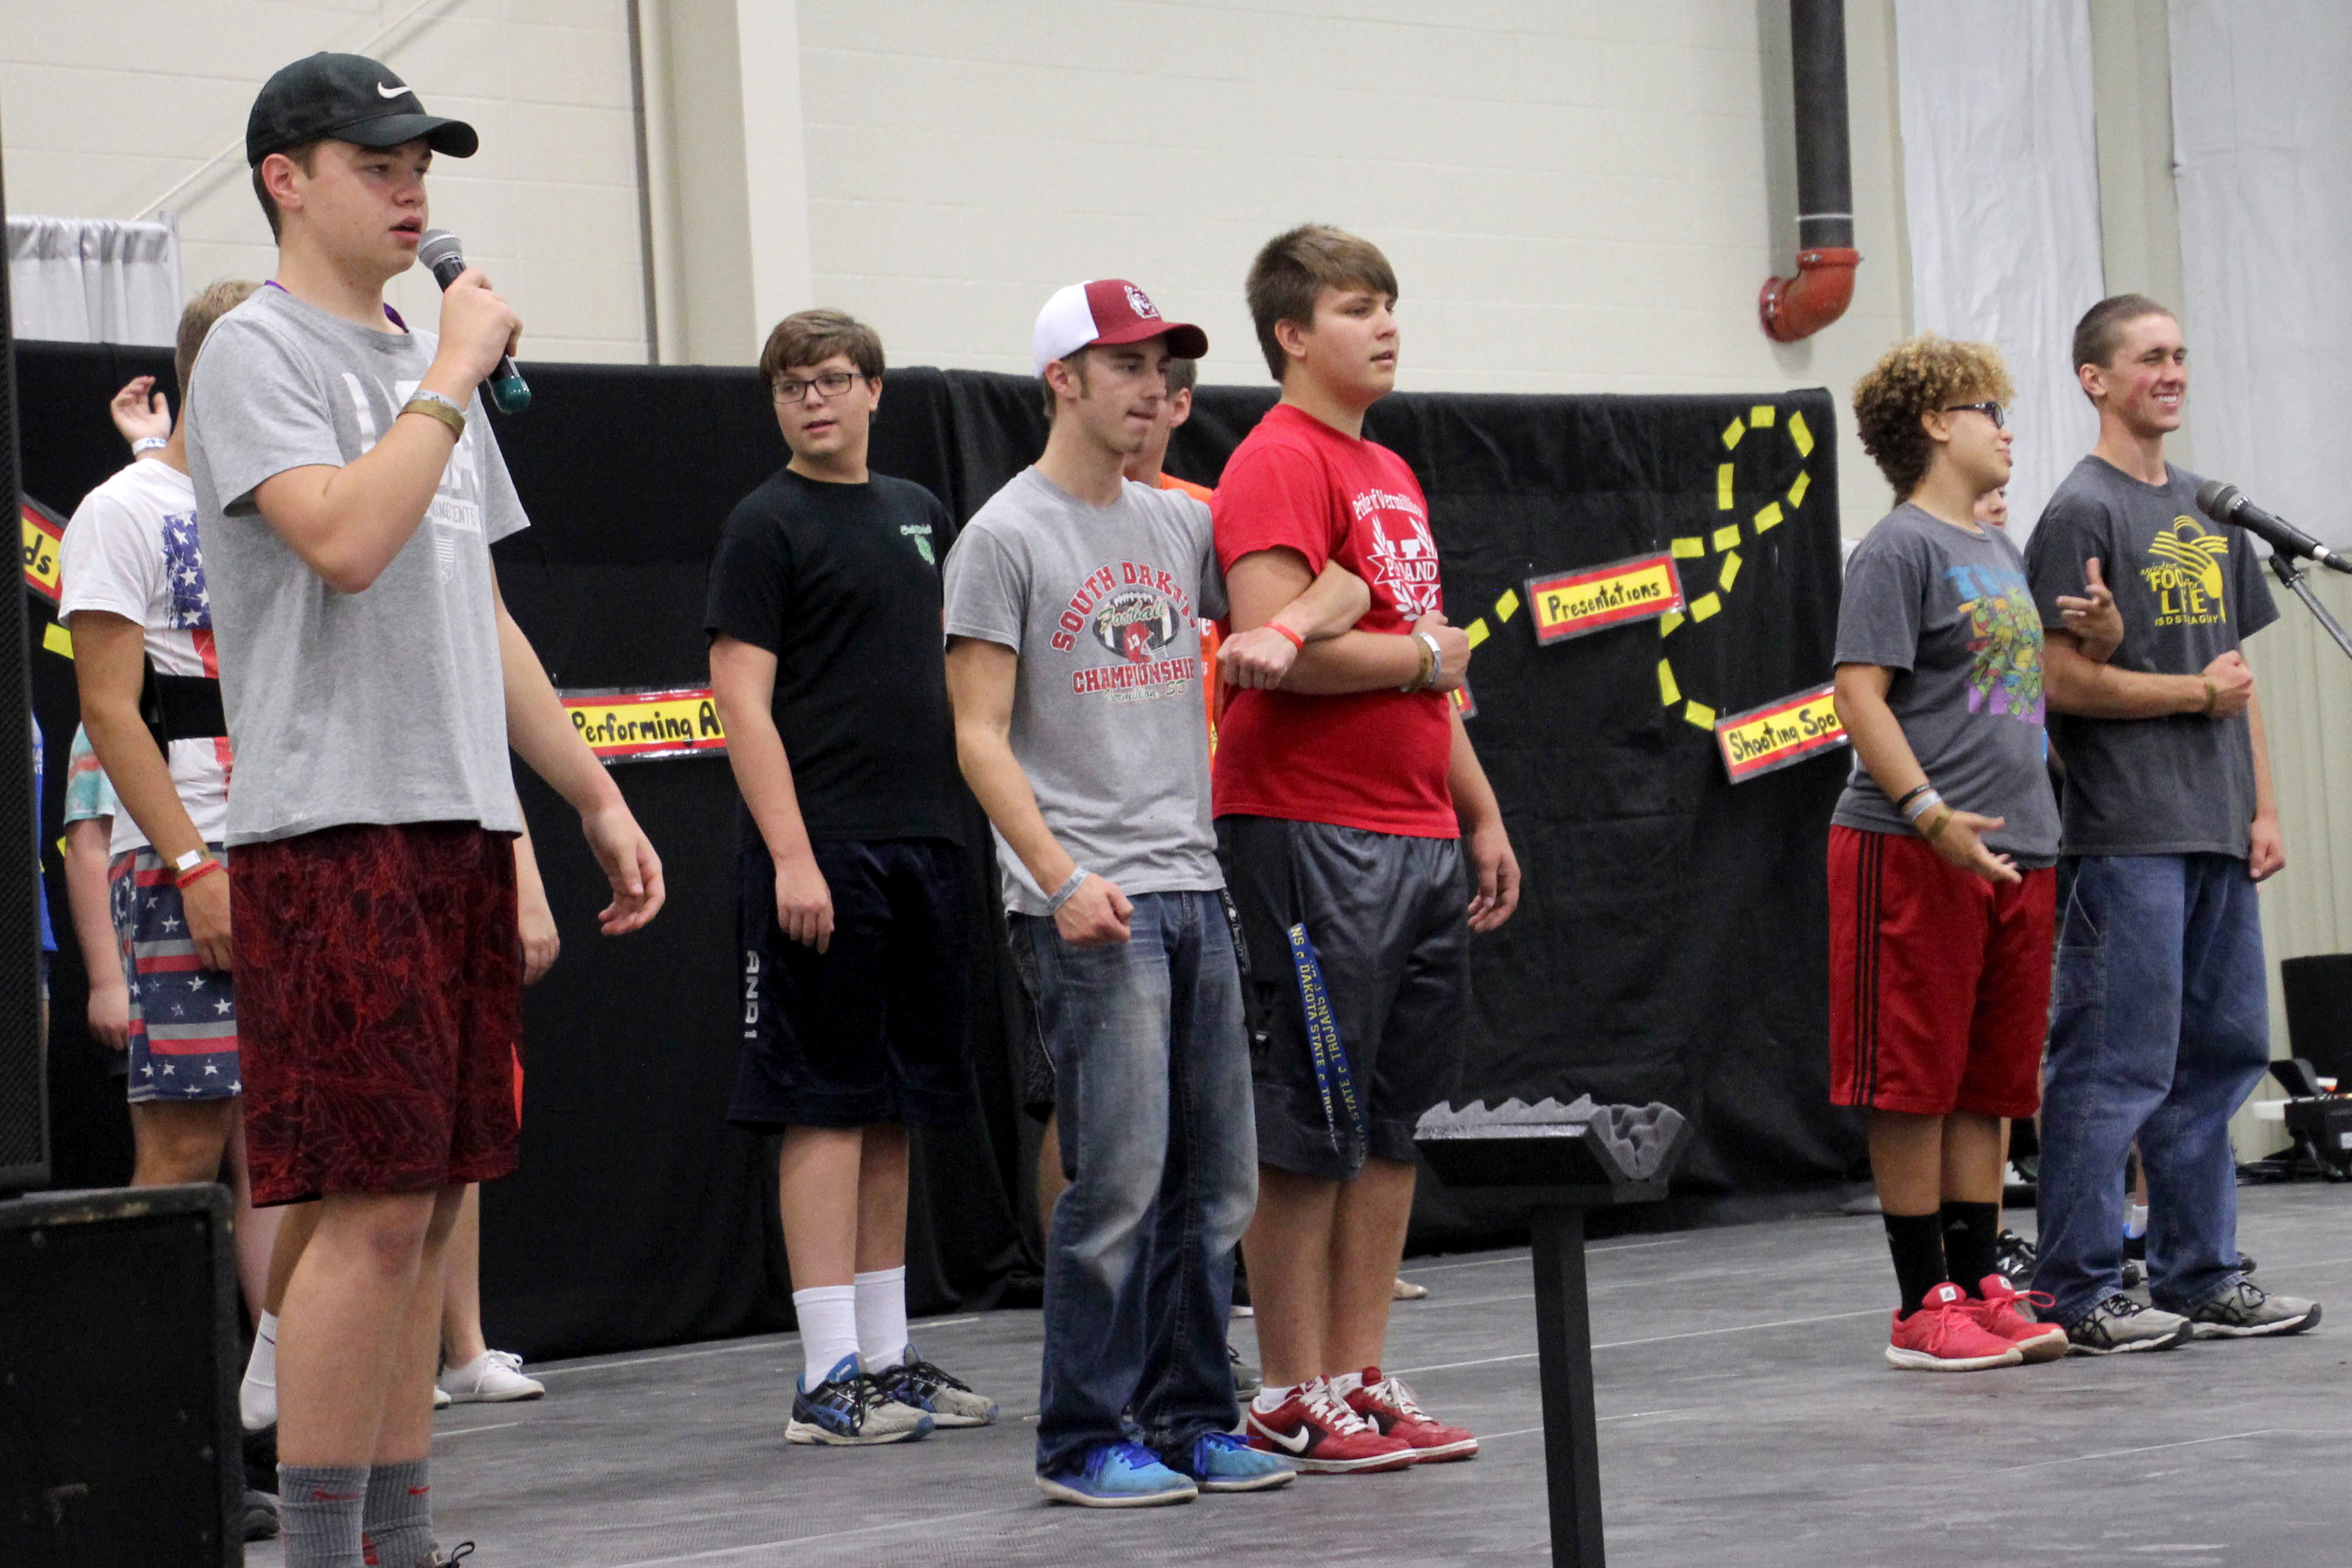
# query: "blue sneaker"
[[850, 1410], [1222, 1462], [1119, 1475]]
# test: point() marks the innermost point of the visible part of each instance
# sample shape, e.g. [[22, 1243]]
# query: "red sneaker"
[[1943, 1335], [1390, 1405], [2001, 1312], [1315, 1431]]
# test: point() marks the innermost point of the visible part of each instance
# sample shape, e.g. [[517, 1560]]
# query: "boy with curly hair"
[[1941, 902]]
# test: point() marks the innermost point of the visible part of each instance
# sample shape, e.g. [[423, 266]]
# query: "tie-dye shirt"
[[1949, 612]]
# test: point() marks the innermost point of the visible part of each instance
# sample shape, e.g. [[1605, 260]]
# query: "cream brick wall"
[[106, 104], [1574, 192]]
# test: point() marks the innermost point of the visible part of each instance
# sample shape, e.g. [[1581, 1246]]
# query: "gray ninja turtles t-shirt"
[[1949, 611], [1103, 604], [382, 706], [2189, 591]]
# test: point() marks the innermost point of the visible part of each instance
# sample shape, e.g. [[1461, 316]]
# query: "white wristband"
[[1067, 891], [1436, 659], [146, 444]]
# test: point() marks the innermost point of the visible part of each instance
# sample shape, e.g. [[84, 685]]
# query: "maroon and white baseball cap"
[[1106, 310]]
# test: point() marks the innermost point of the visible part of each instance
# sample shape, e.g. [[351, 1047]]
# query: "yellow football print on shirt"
[[2184, 573]]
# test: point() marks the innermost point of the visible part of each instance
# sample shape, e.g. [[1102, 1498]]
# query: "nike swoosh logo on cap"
[[383, 92]]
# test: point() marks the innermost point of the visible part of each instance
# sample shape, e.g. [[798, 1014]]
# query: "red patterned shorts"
[[379, 1000]]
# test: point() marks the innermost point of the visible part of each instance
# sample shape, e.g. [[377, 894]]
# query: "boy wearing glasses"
[[824, 618], [1940, 849]]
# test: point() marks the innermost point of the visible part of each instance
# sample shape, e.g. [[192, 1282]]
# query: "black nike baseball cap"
[[347, 97]]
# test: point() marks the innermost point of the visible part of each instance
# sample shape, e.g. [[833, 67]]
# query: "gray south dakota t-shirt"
[[382, 706], [1949, 610], [2189, 591], [1102, 605]]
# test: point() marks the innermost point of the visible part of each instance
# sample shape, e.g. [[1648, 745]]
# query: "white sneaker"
[[493, 1377]]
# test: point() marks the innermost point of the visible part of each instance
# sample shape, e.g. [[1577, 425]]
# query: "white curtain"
[[2001, 184], [94, 280], [2262, 131]]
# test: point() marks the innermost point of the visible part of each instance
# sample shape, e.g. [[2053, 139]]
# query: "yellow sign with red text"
[[639, 726], [43, 530], [1594, 599], [1780, 732]]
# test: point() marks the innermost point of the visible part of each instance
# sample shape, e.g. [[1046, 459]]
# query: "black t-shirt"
[[841, 583]]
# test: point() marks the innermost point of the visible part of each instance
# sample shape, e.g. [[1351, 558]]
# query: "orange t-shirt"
[[1213, 684]]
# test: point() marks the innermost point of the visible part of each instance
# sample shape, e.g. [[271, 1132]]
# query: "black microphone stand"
[[2286, 572]]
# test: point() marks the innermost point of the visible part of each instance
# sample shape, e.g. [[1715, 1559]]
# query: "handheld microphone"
[[2224, 503], [439, 250]]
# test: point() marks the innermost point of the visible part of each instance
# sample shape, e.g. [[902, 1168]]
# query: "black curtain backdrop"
[[1669, 945]]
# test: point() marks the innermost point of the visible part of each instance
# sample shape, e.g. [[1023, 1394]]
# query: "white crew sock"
[[2136, 1222], [828, 1315], [882, 1316], [256, 1397], [1271, 1399], [1346, 1383]]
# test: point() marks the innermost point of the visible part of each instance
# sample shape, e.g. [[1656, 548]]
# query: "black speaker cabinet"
[[118, 1437], [2319, 1013]]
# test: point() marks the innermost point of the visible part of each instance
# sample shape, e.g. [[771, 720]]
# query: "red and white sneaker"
[[2001, 1311], [1390, 1405], [1314, 1430], [1944, 1335]]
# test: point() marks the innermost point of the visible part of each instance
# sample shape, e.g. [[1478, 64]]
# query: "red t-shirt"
[[1374, 760]]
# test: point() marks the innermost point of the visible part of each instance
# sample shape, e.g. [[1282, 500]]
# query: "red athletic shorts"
[[1940, 981], [379, 998]]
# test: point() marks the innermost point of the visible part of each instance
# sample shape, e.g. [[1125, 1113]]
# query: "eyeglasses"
[[829, 385], [1989, 410]]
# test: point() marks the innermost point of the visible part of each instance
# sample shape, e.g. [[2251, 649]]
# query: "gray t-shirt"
[[2189, 591], [382, 706], [1951, 611], [1102, 605]]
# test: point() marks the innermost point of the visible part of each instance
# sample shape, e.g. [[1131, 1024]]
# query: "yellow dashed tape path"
[[1725, 542]]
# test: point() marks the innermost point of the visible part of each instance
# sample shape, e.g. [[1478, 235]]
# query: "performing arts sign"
[[1594, 599], [1780, 732], [641, 726]]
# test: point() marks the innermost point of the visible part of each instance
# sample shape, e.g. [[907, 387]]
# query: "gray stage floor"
[[1745, 1418]]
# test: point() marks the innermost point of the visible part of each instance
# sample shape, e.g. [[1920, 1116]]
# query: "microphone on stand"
[[439, 249], [2225, 503]]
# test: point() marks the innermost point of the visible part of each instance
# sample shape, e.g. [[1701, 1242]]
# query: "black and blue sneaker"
[[923, 1386], [850, 1410], [1224, 1462], [1119, 1475]]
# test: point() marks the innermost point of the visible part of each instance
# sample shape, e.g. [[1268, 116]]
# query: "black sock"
[[1971, 1242], [1917, 1240]]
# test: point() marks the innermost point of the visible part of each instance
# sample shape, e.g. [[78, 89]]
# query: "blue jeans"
[[1152, 1073], [2159, 1028]]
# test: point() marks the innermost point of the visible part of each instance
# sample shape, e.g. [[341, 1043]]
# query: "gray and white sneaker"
[[924, 1385], [2119, 1324], [2245, 1311]]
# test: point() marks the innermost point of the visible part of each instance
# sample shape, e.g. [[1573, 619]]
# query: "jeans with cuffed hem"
[[2159, 1028], [1152, 1077]]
